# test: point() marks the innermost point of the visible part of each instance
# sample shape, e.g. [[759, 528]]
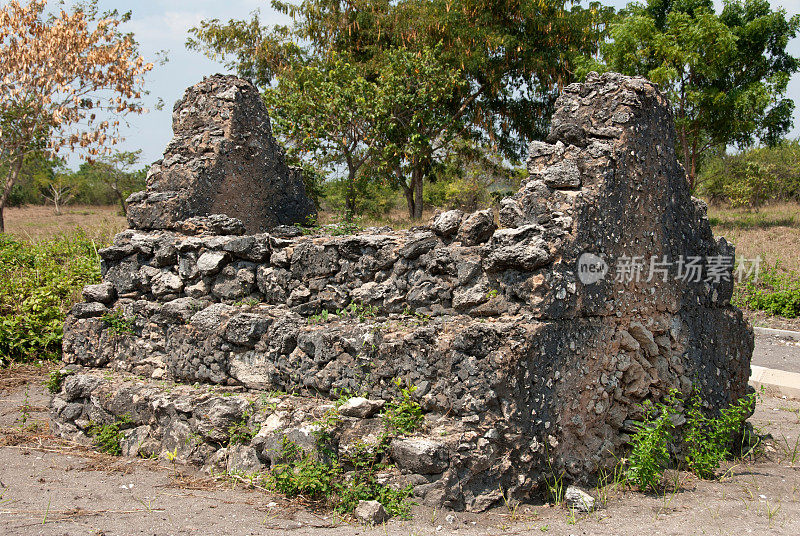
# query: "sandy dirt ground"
[[48, 486]]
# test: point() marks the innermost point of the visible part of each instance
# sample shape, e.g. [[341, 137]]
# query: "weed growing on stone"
[[705, 441], [358, 310], [328, 482], [247, 302], [320, 318], [117, 323], [240, 432], [405, 414], [55, 381], [108, 436]]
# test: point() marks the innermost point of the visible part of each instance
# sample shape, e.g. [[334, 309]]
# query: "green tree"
[[725, 73], [111, 178], [325, 114], [510, 58]]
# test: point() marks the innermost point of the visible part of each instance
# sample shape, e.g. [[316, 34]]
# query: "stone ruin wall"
[[522, 369]]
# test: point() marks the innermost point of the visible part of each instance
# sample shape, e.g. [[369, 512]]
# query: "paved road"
[[777, 352]]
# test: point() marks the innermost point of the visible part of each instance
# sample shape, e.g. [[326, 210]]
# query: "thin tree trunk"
[[350, 196], [120, 197], [407, 191], [417, 193], [11, 179], [122, 204]]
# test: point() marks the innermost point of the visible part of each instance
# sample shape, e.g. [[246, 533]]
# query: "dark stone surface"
[[223, 172]]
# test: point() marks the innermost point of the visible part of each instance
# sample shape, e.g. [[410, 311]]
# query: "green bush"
[[318, 480], [240, 432], [39, 282], [709, 441], [776, 291], [753, 177], [107, 437], [704, 441], [373, 198], [650, 454]]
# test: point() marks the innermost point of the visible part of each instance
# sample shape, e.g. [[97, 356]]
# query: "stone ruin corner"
[[523, 368]]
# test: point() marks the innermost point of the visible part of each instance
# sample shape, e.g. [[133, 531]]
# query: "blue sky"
[[163, 25]]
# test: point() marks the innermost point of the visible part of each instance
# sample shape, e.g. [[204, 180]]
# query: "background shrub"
[[39, 282]]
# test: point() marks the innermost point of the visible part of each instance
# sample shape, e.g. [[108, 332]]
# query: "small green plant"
[[359, 310], [404, 415], [55, 381], [108, 436], [247, 302], [650, 454], [117, 323], [172, 456], [320, 318], [492, 294], [710, 440], [240, 432], [302, 474]]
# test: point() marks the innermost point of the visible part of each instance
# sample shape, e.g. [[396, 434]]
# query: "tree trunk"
[[11, 179], [120, 198], [417, 177], [122, 204], [350, 196]]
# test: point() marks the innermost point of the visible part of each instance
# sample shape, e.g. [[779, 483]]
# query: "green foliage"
[[359, 310], [405, 414], [726, 73], [55, 381], [39, 282], [301, 474], [750, 178], [240, 432], [375, 198], [382, 88], [776, 291], [705, 441], [650, 455], [107, 437], [117, 322], [709, 441]]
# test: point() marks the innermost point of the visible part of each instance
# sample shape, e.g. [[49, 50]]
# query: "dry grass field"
[[773, 232], [38, 222]]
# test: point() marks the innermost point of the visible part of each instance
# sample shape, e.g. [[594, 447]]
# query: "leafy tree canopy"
[[726, 73], [498, 66]]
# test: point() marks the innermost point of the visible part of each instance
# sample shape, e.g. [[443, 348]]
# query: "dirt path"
[[48, 486]]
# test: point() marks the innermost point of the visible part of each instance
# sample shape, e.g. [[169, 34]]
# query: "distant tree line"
[[108, 180], [415, 103]]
